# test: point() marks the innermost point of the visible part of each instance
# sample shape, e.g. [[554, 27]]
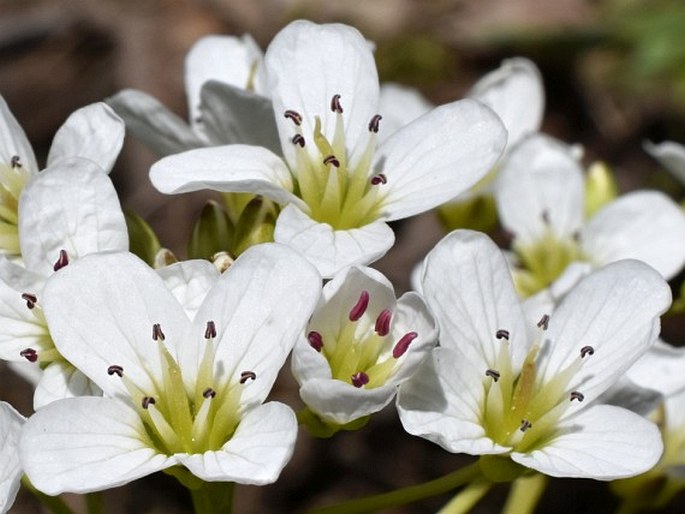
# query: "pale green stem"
[[54, 503], [467, 497], [213, 498], [406, 495], [524, 494]]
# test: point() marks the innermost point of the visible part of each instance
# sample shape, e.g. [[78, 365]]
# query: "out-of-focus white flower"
[[360, 344], [494, 388], [337, 186], [10, 468], [177, 392], [671, 155]]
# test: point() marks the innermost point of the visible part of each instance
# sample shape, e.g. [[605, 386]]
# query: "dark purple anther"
[[383, 323], [294, 116], [29, 354], [335, 104], [210, 331], [331, 159], [147, 401], [298, 139], [575, 395], [247, 375], [315, 340], [403, 344], [492, 374], [157, 334], [209, 393], [586, 350], [360, 379], [62, 261], [375, 123], [360, 307], [15, 161], [525, 425], [379, 179], [115, 369], [30, 300], [502, 334], [544, 322]]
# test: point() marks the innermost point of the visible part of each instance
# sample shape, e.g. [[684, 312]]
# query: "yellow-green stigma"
[[13, 178], [178, 420], [359, 352], [338, 192]]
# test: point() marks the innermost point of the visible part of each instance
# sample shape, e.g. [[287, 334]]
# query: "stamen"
[[360, 307], [575, 395], [335, 104], [115, 369], [15, 161], [315, 340], [331, 159], [545, 217], [157, 334], [31, 300], [586, 350], [209, 393], [403, 344], [29, 354], [147, 401], [247, 375], [210, 331], [383, 322], [502, 334], [375, 123], [379, 179], [525, 425], [62, 261], [360, 379], [493, 374], [298, 139], [294, 116], [544, 322]]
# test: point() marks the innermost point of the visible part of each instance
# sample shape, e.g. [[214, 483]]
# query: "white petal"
[[516, 93], [70, 206], [468, 288], [227, 59], [232, 168], [62, 380], [94, 132], [256, 453], [13, 140], [674, 404], [307, 64], [87, 444], [671, 155], [644, 225], [660, 369], [151, 122], [189, 282], [328, 249], [101, 309], [615, 311], [399, 105], [10, 468], [308, 364], [260, 306], [602, 442], [540, 180], [442, 403], [438, 156]]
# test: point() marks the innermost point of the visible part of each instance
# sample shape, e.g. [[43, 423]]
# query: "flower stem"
[[213, 498], [467, 497], [94, 503], [524, 494], [405, 495], [54, 503]]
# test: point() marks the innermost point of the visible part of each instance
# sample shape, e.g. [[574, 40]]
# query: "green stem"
[[213, 498], [94, 503], [467, 497], [524, 494], [406, 495], [54, 503]]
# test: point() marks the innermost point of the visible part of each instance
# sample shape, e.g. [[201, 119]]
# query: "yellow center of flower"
[[13, 178]]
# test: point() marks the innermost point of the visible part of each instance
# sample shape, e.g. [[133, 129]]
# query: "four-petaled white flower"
[[360, 344], [493, 387], [10, 468], [177, 392], [337, 187]]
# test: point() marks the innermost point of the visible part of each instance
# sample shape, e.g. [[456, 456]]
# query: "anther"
[[525, 425], [575, 395], [29, 354], [147, 401], [502, 334], [544, 322], [15, 161], [545, 217], [360, 379], [294, 116], [62, 261], [335, 104], [115, 369], [586, 350], [379, 179], [374, 123], [403, 344], [247, 375], [360, 307], [315, 340], [331, 159], [383, 323], [493, 374], [210, 331], [209, 393], [31, 299], [157, 334], [298, 139]]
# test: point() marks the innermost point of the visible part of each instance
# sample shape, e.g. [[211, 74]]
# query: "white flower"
[[177, 392], [540, 200], [227, 101], [360, 344], [671, 155], [338, 189], [493, 387], [10, 469]]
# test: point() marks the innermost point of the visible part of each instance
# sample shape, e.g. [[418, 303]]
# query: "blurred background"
[[614, 73]]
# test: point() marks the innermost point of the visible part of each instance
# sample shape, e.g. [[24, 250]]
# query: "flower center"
[[13, 178], [338, 191], [362, 351]]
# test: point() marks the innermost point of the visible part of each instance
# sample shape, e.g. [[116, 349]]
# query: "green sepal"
[[213, 232], [322, 429], [500, 468], [478, 212], [600, 188], [235, 203], [184, 476], [256, 224], [142, 240]]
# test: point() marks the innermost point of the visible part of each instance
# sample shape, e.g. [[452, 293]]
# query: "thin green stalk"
[[94, 503], [54, 503], [213, 498], [406, 495], [524, 494], [467, 497]]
